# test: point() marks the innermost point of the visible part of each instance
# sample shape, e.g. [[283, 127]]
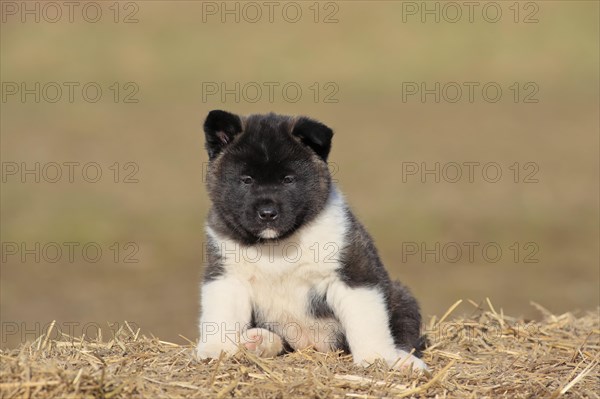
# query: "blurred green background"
[[177, 49]]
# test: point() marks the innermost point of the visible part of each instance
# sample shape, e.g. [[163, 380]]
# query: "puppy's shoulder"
[[360, 262]]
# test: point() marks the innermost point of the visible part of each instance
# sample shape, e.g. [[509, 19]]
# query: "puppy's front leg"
[[225, 312], [363, 314]]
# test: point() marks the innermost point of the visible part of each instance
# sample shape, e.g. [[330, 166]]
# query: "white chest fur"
[[280, 279]]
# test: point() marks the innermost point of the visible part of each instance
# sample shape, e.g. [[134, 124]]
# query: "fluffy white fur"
[[269, 233]]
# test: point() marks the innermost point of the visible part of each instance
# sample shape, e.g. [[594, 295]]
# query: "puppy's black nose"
[[267, 212]]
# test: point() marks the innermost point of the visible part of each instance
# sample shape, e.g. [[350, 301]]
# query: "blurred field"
[[368, 54]]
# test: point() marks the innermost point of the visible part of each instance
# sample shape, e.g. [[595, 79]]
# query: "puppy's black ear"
[[315, 135], [220, 128]]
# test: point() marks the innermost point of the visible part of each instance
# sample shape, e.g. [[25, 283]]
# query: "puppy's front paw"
[[262, 342], [212, 350], [405, 360], [399, 360]]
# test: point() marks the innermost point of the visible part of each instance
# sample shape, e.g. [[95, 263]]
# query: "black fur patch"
[[214, 266], [405, 319], [342, 343], [360, 261], [318, 307]]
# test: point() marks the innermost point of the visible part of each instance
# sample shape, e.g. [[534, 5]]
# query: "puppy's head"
[[267, 174]]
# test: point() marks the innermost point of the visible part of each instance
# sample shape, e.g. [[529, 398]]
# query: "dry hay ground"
[[485, 354]]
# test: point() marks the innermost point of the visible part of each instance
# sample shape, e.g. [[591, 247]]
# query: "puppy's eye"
[[246, 179], [289, 179]]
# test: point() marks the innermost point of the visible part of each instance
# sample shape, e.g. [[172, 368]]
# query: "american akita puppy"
[[288, 264]]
